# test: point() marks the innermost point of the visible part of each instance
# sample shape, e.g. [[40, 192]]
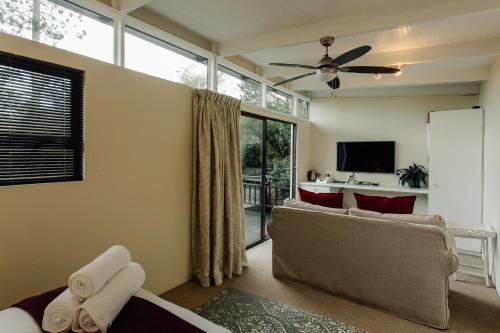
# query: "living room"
[[144, 144]]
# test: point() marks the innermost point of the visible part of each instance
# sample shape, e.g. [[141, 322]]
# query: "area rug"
[[242, 312]]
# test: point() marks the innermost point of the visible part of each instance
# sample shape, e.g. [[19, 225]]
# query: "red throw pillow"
[[397, 205], [332, 200]]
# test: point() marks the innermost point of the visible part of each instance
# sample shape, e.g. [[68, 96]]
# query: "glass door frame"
[[293, 168]]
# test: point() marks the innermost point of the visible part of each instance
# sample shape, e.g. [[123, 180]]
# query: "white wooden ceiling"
[[449, 42], [483, 25], [223, 20]]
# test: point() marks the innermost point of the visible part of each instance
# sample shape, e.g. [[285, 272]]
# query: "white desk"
[[335, 187]]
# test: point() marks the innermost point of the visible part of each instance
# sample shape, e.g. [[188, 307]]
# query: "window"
[[60, 24], [237, 85], [153, 56], [278, 101], [303, 109], [41, 121], [16, 17]]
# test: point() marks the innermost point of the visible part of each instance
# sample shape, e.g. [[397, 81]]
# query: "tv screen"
[[370, 156]]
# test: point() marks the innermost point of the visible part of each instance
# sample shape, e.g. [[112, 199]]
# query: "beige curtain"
[[217, 227]]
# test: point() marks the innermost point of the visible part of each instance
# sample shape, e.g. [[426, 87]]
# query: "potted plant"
[[413, 175]]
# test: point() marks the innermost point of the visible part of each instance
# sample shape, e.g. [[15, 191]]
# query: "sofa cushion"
[[396, 205], [332, 200], [292, 203], [408, 218]]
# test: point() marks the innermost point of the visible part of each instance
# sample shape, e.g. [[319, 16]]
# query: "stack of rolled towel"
[[96, 294]]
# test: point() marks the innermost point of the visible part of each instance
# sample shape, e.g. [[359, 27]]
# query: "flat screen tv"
[[370, 156]]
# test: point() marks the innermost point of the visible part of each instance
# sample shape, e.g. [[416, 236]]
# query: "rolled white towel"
[[88, 280], [59, 314], [98, 312]]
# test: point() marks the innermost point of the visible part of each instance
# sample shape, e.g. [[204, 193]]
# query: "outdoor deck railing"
[[275, 193]]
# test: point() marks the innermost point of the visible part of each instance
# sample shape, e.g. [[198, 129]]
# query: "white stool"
[[484, 233]]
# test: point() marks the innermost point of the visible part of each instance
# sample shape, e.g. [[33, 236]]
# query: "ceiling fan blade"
[[292, 65], [335, 83], [369, 69], [294, 78], [352, 55]]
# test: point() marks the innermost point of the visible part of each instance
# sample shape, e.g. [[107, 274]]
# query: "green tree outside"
[[40, 18]]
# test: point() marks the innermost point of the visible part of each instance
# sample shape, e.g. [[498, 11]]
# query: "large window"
[[91, 31], [41, 121], [16, 17], [147, 54], [278, 101], [60, 24], [234, 84], [303, 109]]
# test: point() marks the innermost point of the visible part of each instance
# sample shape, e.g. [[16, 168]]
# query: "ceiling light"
[[377, 76], [326, 73], [400, 67]]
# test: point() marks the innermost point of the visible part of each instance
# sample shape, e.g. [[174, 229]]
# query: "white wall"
[[402, 119], [490, 100]]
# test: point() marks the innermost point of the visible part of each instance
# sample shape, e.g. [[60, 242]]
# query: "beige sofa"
[[401, 268]]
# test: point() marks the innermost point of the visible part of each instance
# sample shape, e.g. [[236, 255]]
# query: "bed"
[[15, 320]]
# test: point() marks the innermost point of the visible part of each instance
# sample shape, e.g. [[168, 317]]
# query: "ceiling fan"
[[327, 68]]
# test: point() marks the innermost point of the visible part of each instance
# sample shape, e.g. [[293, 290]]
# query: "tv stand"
[[338, 186]]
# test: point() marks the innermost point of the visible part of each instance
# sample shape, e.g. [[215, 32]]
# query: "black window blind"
[[41, 121]]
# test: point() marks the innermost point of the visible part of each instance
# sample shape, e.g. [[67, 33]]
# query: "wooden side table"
[[485, 234]]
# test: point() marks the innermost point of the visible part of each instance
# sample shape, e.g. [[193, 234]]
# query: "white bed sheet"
[[14, 320]]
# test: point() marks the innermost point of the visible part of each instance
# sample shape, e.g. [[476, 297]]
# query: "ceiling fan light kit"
[[327, 68], [400, 67], [326, 74]]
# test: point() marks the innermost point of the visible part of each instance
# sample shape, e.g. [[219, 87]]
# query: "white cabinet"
[[455, 141]]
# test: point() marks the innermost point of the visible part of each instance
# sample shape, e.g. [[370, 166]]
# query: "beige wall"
[[136, 190], [490, 100], [137, 187], [402, 119]]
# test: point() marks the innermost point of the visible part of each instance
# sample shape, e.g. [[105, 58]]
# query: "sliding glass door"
[[268, 158]]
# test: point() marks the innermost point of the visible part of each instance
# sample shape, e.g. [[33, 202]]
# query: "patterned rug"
[[242, 312]]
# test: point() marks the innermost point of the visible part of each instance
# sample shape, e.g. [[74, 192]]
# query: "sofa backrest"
[[408, 218], [399, 267], [290, 202]]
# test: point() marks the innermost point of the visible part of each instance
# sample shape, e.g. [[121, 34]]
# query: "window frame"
[[85, 8], [264, 82], [231, 72], [308, 104], [76, 138], [167, 46], [272, 89], [122, 19], [128, 21]]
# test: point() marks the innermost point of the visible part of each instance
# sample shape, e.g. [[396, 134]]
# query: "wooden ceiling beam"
[[408, 13]]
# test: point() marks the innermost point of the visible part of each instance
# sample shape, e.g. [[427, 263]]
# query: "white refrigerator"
[[455, 140]]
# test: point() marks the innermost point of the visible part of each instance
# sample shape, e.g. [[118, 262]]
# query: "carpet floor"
[[473, 307]]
